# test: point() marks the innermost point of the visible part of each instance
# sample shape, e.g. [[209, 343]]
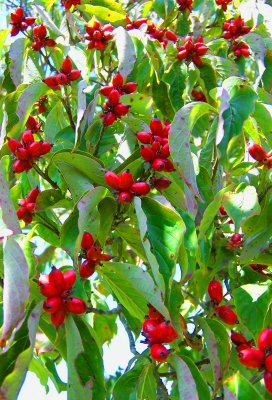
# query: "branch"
[[99, 140], [67, 106], [94, 310], [129, 333], [195, 299], [45, 176]]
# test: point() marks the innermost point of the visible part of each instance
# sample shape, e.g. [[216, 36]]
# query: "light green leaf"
[[146, 385], [103, 13]]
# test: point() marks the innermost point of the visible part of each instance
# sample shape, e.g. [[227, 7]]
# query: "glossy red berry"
[[154, 314], [52, 304], [160, 183], [27, 138], [58, 317], [121, 109], [117, 80], [13, 145], [227, 315], [33, 194], [149, 325], [87, 269], [56, 278], [265, 340], [125, 180], [140, 188], [129, 87], [125, 197], [105, 90], [159, 352], [268, 363], [158, 164], [144, 137], [94, 253], [215, 291], [257, 152], [66, 66], [76, 306], [251, 358], [109, 118], [69, 277], [156, 127], [87, 240], [112, 179], [163, 333], [237, 338], [48, 290], [114, 98], [147, 153]]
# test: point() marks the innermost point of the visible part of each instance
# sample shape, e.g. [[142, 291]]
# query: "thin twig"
[[68, 108], [94, 310], [195, 299], [99, 140], [45, 176], [129, 333]]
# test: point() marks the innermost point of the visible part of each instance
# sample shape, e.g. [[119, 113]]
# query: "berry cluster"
[[225, 313], [234, 29], [185, 5], [33, 124], [156, 332], [98, 35], [27, 151], [240, 341], [260, 357], [125, 186], [27, 206], [57, 287], [113, 109], [235, 241], [198, 95], [64, 77], [135, 24], [40, 38], [240, 49], [69, 3], [19, 22], [40, 104], [92, 254], [223, 4], [192, 50], [260, 155], [162, 35], [158, 152]]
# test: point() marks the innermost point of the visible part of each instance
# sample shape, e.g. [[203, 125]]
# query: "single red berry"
[[33, 194], [268, 381], [222, 210], [140, 188], [93, 253], [69, 277], [160, 183], [48, 290], [149, 325], [27, 138], [109, 118], [125, 197], [87, 240], [52, 82], [32, 124], [76, 306], [58, 317], [215, 291], [117, 80], [22, 153], [257, 152], [35, 149], [125, 180], [227, 315], [237, 338], [105, 90], [13, 145], [171, 36], [56, 278], [45, 148], [105, 257], [66, 66], [74, 75], [61, 79], [147, 153], [87, 269], [114, 98], [164, 333], [251, 358], [268, 363], [156, 127], [158, 164], [168, 166], [129, 87], [20, 166], [159, 352], [52, 304], [154, 314], [265, 340], [112, 180], [121, 109], [144, 137]]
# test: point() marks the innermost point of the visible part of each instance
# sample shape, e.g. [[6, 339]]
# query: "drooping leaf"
[[146, 385], [125, 51]]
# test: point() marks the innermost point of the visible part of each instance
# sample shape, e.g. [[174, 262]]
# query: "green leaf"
[[69, 234], [132, 237], [163, 103], [48, 199], [218, 346], [75, 389], [146, 385], [13, 382], [8, 219], [186, 383], [16, 289], [165, 230], [56, 120], [252, 303], [125, 387], [103, 13], [179, 141], [133, 287], [242, 205], [17, 55], [242, 388], [125, 51]]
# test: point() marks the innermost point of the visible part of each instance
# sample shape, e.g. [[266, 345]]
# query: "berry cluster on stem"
[[27, 206], [225, 313], [40, 38], [64, 77], [98, 35], [192, 50], [19, 22]]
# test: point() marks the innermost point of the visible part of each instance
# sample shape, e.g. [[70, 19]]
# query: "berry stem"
[[94, 310], [96, 149], [67, 106], [45, 176], [129, 333]]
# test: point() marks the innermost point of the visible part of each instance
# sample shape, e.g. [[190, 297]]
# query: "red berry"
[[117, 80], [156, 127], [125, 197], [109, 118], [258, 267], [22, 153], [66, 66], [33, 194], [76, 306], [154, 314], [268, 363], [35, 149], [251, 358], [147, 153], [94, 253], [27, 138], [158, 164], [45, 148], [56, 278], [159, 352], [13, 145], [160, 183], [20, 166], [87, 240], [87, 269], [149, 325], [144, 137], [140, 188], [52, 304], [114, 98], [32, 124], [237, 338], [171, 36], [121, 109], [268, 381], [222, 210], [61, 79], [215, 291], [74, 75], [69, 277], [130, 87], [125, 180], [265, 340], [58, 317], [112, 180], [40, 31], [30, 207], [227, 315], [257, 152], [51, 82], [48, 290], [163, 333], [105, 90]]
